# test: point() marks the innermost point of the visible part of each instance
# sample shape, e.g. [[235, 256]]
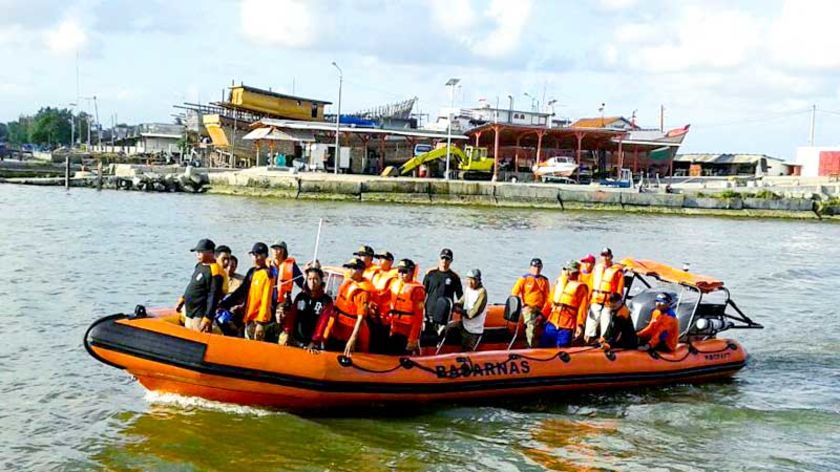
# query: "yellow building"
[[275, 105]]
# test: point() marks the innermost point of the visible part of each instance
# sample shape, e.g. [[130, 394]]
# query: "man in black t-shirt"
[[441, 282], [204, 291]]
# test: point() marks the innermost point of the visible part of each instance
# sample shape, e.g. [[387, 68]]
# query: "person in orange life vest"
[[204, 290], [406, 308], [256, 293], [532, 288], [663, 330], [286, 273], [365, 253], [382, 280], [607, 278], [352, 308], [303, 317], [621, 333], [586, 266], [565, 309]]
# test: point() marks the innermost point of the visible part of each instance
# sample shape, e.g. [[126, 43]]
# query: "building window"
[[314, 110]]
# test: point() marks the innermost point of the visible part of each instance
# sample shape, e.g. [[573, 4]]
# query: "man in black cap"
[[204, 291], [256, 294], [532, 288], [366, 254], [441, 282]]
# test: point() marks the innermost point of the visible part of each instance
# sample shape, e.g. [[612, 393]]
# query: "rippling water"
[[71, 257]]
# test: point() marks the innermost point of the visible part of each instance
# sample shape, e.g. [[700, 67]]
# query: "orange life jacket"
[[285, 274], [348, 307], [569, 303], [662, 331], [258, 303], [371, 271], [406, 308], [382, 282], [533, 289], [605, 281]]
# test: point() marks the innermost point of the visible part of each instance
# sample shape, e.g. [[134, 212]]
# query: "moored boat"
[[164, 356]]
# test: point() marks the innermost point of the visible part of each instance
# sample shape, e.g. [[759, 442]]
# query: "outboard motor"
[[442, 311]]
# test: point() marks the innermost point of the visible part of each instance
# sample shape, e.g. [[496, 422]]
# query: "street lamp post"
[[338, 117], [450, 83], [72, 125]]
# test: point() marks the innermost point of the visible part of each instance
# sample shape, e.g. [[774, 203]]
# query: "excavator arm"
[[434, 154]]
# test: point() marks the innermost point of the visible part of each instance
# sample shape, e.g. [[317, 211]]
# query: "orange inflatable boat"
[[164, 356]]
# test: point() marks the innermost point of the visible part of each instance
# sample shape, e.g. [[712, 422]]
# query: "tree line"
[[49, 127]]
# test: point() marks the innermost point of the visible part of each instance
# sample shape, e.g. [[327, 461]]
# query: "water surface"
[[72, 257]]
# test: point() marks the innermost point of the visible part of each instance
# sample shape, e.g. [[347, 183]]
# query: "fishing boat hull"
[[166, 357]]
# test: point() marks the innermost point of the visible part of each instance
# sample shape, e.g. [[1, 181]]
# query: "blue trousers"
[[554, 337]]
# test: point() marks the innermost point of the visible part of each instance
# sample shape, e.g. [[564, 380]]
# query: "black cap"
[[536, 262], [222, 248], [606, 252], [364, 251], [446, 253], [280, 244], [385, 255], [204, 245], [405, 265], [354, 263], [259, 248]]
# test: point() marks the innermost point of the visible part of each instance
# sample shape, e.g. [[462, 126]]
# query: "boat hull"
[[166, 357]]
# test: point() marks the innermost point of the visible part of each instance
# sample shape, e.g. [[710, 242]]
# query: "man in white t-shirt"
[[472, 306]]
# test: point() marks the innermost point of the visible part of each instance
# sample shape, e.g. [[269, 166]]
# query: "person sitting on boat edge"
[[223, 254], [621, 333], [532, 288], [662, 332], [286, 273], [472, 307], [202, 295], [607, 278], [310, 308], [349, 330], [565, 309], [405, 310], [441, 282], [256, 294]]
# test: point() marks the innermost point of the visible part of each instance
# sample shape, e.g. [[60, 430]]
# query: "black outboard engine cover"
[[513, 309]]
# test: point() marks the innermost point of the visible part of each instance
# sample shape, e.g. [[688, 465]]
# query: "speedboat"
[[164, 356], [558, 168]]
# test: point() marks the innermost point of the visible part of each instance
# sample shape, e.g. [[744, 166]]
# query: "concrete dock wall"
[[501, 194]]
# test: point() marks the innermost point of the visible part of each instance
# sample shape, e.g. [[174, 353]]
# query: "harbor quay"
[[802, 201]]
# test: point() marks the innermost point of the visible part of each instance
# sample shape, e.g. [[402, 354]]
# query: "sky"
[[743, 74]]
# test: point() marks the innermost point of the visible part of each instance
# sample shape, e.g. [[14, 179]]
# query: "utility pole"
[[813, 125], [662, 118], [338, 119], [450, 83]]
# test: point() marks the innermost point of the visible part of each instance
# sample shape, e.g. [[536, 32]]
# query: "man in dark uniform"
[[301, 318], [204, 291], [441, 282]]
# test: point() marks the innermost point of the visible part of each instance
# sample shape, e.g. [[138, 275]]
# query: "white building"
[[818, 161]]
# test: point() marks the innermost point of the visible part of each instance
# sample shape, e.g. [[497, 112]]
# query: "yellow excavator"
[[473, 163]]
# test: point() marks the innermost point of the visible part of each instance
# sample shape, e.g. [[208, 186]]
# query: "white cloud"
[[492, 33], [67, 37], [287, 23], [616, 5], [454, 16], [510, 19], [805, 35]]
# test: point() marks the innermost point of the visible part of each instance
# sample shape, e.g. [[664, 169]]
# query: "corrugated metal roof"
[[324, 126], [604, 122], [723, 158]]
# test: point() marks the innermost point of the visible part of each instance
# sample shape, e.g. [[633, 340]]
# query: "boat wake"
[[181, 401]]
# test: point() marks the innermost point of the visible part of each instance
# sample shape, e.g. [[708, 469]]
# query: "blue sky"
[[744, 74]]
